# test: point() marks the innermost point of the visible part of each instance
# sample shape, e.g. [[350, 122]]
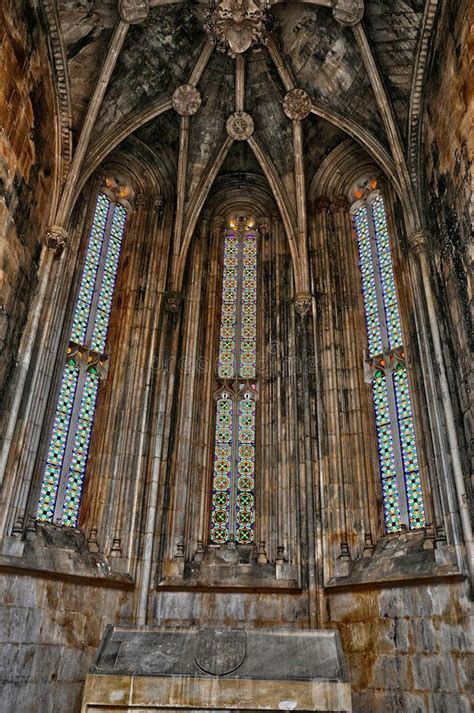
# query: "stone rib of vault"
[[188, 668]]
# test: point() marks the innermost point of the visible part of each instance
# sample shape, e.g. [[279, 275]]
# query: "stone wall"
[[405, 647], [51, 625], [448, 147], [27, 166]]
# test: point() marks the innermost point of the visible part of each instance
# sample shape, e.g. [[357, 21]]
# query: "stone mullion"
[[186, 481], [331, 455], [263, 493], [145, 335], [286, 534], [211, 334], [362, 486], [27, 468], [128, 379], [272, 536]]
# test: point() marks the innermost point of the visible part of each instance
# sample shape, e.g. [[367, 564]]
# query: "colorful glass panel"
[[226, 367], [392, 317], [406, 427], [104, 305], [248, 319], [57, 446], [222, 475], [388, 471], [80, 450], [369, 290], [245, 496], [88, 281]]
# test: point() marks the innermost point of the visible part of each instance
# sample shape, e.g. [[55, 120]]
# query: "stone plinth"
[[156, 668]]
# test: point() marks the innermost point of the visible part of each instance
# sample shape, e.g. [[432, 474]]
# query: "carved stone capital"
[[348, 12], [186, 100], [173, 301], [133, 11], [264, 226], [322, 204], [218, 222], [302, 302], [297, 104], [140, 199], [340, 203], [55, 237], [240, 126], [419, 242], [159, 205]]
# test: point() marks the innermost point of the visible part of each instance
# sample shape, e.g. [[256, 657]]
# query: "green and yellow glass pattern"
[[82, 436], [416, 510], [388, 472], [392, 317], [369, 291], [106, 292], [57, 445], [91, 266], [226, 366], [248, 323], [245, 510], [222, 473]]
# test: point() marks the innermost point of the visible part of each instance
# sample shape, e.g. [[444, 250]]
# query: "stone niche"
[[219, 669]]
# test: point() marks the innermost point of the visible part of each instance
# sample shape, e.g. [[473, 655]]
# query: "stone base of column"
[[218, 669]]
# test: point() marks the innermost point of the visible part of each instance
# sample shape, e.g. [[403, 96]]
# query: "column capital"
[[302, 302], [419, 242], [141, 199], [55, 237], [322, 204], [218, 221], [340, 203]]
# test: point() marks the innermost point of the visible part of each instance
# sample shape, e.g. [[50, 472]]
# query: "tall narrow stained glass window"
[[233, 482], [66, 458], [399, 470]]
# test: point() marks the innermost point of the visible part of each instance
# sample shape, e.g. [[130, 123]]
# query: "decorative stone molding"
[[55, 237], [173, 301], [186, 100], [419, 242], [340, 203], [133, 11], [297, 104], [348, 12], [236, 25], [240, 126], [263, 226], [302, 303]]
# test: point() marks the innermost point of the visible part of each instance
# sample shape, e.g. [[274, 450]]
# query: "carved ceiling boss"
[[235, 25]]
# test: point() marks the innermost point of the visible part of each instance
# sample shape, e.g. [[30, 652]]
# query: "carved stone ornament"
[[240, 126], [186, 100], [297, 104], [221, 651], [349, 12], [303, 303], [55, 237], [133, 11], [235, 25], [173, 302], [419, 241]]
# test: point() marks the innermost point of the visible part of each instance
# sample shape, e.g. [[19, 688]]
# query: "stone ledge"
[[400, 559], [59, 553]]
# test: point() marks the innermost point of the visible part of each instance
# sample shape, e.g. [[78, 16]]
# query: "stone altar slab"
[[191, 668]]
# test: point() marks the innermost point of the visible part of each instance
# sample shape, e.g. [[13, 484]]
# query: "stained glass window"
[[233, 483], [66, 460], [398, 461]]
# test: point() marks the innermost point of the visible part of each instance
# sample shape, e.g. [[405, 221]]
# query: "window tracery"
[[233, 482], [398, 460], [66, 460]]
